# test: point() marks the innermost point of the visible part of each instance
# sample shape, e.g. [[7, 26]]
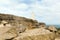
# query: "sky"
[[47, 11]]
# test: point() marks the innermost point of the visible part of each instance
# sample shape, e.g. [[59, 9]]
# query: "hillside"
[[21, 28], [15, 20]]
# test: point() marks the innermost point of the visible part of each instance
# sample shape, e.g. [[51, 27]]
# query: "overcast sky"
[[47, 11]]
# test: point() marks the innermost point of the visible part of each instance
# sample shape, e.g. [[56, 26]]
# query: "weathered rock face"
[[36, 34], [15, 21], [52, 28], [37, 37], [20, 28], [7, 32], [57, 38]]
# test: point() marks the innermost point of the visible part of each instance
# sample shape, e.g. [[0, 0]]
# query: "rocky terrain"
[[20, 28]]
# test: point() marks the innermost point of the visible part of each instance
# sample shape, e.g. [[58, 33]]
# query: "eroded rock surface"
[[36, 34], [20, 28]]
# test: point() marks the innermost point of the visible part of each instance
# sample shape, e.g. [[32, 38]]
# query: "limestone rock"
[[8, 33], [20, 28], [57, 38], [52, 28], [15, 20], [36, 34]]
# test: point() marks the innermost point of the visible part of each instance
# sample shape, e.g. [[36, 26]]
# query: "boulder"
[[52, 28]]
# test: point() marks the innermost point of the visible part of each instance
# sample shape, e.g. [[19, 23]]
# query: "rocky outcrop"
[[20, 28], [15, 21], [57, 38], [7, 32], [36, 34], [52, 28]]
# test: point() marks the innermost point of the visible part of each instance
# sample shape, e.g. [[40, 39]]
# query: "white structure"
[[32, 15]]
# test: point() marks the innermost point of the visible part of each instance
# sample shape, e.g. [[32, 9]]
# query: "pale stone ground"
[[33, 32], [8, 32], [57, 38]]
